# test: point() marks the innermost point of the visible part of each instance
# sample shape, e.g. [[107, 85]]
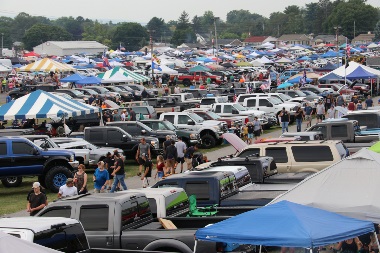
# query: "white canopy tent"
[[118, 77], [166, 70], [349, 187], [257, 63], [265, 60]]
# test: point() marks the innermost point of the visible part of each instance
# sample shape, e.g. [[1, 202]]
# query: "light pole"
[[216, 36], [2, 43], [337, 43], [151, 50]]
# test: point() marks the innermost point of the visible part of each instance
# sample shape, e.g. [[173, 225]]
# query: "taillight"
[[149, 116], [246, 120], [172, 109]]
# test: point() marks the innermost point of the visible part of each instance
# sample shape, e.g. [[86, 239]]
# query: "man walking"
[[171, 157], [284, 115], [142, 149], [181, 149], [118, 173], [320, 111], [36, 200], [308, 114]]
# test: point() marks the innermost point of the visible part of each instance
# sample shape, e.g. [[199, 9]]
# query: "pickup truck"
[[207, 102], [124, 221], [187, 79], [210, 131], [113, 136], [220, 188], [20, 157], [210, 115], [186, 98], [368, 118], [348, 131], [163, 104], [269, 105]]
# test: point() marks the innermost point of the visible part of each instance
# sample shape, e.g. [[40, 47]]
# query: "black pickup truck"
[[124, 221], [220, 188]]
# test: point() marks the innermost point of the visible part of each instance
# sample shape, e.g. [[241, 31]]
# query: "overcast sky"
[[143, 10]]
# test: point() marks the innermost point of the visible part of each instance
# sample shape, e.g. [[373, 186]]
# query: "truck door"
[[115, 139], [24, 159], [265, 105], [185, 122], [341, 132], [5, 160]]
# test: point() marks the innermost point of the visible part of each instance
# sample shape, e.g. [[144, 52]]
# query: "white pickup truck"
[[269, 105]]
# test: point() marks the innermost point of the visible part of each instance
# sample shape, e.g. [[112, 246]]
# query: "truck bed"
[[251, 198], [268, 187], [287, 178]]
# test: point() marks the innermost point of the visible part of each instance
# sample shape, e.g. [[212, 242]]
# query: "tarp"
[[89, 80], [199, 68], [12, 244], [285, 85], [72, 78], [41, 104], [349, 187], [47, 65], [285, 224]]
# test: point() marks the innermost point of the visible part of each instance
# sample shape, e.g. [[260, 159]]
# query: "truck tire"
[[41, 179], [11, 181], [186, 82], [168, 245], [208, 141], [56, 177]]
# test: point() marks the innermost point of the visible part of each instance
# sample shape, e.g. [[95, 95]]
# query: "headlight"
[[217, 128], [193, 136], [138, 93], [173, 137], [72, 158]]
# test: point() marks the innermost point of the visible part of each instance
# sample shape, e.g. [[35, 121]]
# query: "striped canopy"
[[136, 77], [47, 65], [41, 104]]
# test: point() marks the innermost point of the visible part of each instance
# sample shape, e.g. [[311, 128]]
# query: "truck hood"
[[257, 113], [211, 122], [57, 152], [235, 141], [108, 149], [163, 132]]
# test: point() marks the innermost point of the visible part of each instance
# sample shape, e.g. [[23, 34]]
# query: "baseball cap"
[[36, 184], [69, 180]]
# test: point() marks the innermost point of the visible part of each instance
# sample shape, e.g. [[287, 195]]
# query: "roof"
[[150, 192], [104, 196], [36, 224], [77, 44], [258, 39], [194, 175], [289, 37], [292, 143], [364, 37]]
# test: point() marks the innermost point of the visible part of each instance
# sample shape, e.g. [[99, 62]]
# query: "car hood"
[[235, 141], [57, 152], [108, 149], [211, 122], [163, 132]]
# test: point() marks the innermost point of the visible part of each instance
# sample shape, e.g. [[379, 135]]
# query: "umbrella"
[[285, 85]]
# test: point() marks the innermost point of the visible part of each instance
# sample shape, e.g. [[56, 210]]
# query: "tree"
[[377, 32], [131, 35], [96, 31], [72, 25], [5, 28], [40, 33], [22, 22], [183, 32], [159, 27]]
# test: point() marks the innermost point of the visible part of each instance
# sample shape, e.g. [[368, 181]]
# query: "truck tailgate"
[[267, 187], [251, 198]]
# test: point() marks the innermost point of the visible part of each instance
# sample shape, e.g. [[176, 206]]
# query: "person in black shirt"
[[147, 175], [132, 115], [118, 173], [189, 156], [144, 93], [284, 115], [36, 200], [109, 161], [171, 157], [166, 144], [251, 130]]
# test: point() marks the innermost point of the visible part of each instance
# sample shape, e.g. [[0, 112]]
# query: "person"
[[189, 156], [144, 94], [368, 102], [124, 115], [320, 111], [340, 100], [284, 115], [257, 128], [359, 105], [352, 245], [351, 105], [177, 89], [329, 101], [308, 114], [244, 133], [372, 246], [160, 166], [101, 178], [68, 189], [250, 129], [36, 200], [299, 117], [118, 173], [171, 157], [331, 112], [8, 98], [181, 149], [116, 116], [147, 174], [80, 180], [142, 149], [132, 115], [202, 87], [166, 90], [103, 106], [166, 144], [108, 163]]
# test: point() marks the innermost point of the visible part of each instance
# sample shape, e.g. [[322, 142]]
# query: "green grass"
[[14, 199]]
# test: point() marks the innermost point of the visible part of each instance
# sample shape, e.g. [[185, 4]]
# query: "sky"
[[142, 11]]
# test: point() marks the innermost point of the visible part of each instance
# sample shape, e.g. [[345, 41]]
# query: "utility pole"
[[337, 43], [216, 36], [151, 50], [2, 43], [354, 28]]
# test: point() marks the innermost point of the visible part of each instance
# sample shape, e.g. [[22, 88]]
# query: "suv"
[[19, 92], [136, 128], [74, 93], [299, 156]]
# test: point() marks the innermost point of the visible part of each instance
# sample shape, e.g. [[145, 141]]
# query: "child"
[[160, 167]]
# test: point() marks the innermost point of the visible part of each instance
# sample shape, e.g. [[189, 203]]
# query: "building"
[[61, 48], [363, 38], [229, 43], [328, 39], [259, 40], [301, 39]]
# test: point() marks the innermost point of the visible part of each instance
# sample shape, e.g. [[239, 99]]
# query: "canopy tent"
[[12, 244], [199, 68], [329, 76], [349, 187], [298, 79], [360, 73], [375, 147], [31, 54], [228, 65], [118, 77], [330, 54], [136, 77], [257, 63], [265, 60], [41, 104], [328, 67], [285, 224], [72, 79], [47, 65], [284, 60], [342, 71], [166, 70], [310, 75], [243, 64], [89, 80], [285, 85]]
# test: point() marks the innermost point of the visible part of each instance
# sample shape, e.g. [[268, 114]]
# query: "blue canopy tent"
[[328, 67], [41, 104], [72, 79], [330, 76], [330, 54], [89, 80], [298, 80], [285, 85], [285, 224], [360, 73]]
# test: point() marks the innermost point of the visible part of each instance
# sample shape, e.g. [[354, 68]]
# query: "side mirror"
[[143, 132], [190, 122], [125, 138]]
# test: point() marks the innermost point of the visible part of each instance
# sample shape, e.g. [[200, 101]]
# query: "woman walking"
[[80, 180]]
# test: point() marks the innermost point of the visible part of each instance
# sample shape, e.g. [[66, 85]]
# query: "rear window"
[[249, 152], [94, 217], [142, 110], [342, 150], [180, 202], [129, 211], [199, 189], [62, 211], [207, 101], [278, 153], [309, 153]]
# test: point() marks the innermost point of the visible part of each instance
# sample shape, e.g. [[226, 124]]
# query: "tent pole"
[[374, 233], [261, 246], [195, 246]]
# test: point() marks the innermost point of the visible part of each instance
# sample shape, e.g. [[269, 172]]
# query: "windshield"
[[92, 92], [278, 100], [309, 93], [213, 115], [239, 107], [103, 90], [284, 97], [196, 117], [274, 101], [77, 93], [134, 88], [146, 127], [169, 125], [116, 89]]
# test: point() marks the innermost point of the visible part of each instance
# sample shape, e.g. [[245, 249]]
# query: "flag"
[[348, 51], [156, 66], [106, 63], [122, 48], [266, 85], [235, 97], [303, 79]]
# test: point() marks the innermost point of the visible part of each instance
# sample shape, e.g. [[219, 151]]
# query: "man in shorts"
[[257, 130], [143, 148], [147, 174], [181, 149], [171, 157], [320, 111], [308, 114], [251, 130]]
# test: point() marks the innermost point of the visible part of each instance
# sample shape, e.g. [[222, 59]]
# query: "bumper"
[[74, 164], [92, 162]]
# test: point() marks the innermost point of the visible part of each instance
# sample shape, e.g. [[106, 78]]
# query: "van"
[[299, 156]]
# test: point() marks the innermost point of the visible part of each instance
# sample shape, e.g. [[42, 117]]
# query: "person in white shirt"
[[68, 189], [181, 149], [177, 90]]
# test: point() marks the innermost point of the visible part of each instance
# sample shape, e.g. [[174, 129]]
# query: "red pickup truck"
[[187, 79]]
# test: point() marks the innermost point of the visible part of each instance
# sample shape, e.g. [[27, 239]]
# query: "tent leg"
[[195, 246], [311, 250], [261, 246]]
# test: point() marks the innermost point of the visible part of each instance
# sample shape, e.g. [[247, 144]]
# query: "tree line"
[[351, 16]]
